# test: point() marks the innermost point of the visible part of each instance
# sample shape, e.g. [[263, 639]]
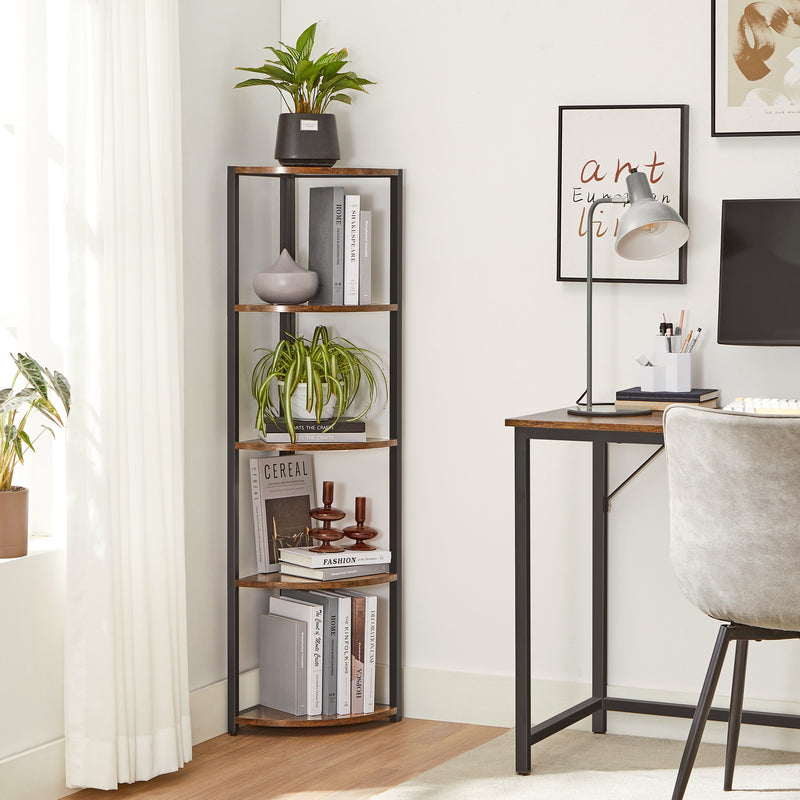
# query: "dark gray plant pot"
[[307, 140]]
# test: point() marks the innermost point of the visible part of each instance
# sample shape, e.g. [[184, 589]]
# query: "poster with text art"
[[599, 146], [755, 68]]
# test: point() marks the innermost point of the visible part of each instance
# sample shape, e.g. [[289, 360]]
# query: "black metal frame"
[[683, 191], [599, 704], [288, 235]]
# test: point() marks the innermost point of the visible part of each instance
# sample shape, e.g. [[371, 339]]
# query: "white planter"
[[298, 404]]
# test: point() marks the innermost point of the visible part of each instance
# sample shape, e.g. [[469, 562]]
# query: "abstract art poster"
[[755, 68]]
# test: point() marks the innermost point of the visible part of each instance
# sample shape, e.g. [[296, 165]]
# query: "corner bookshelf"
[[288, 178]]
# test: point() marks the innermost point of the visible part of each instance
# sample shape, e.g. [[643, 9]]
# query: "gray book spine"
[[365, 260], [326, 242], [283, 664], [330, 612]]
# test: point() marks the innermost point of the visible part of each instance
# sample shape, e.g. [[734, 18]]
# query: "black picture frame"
[[598, 146], [751, 95]]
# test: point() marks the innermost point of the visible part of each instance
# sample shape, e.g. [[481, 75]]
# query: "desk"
[[600, 431]]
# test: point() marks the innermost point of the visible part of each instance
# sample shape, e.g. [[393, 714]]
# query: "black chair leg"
[[735, 720], [701, 713]]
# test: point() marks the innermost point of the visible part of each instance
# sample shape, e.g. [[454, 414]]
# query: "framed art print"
[[755, 68], [598, 147]]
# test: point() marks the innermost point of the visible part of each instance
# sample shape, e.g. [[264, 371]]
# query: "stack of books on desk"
[[302, 562], [629, 398]]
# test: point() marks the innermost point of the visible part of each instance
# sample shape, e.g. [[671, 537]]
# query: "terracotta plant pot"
[[14, 523]]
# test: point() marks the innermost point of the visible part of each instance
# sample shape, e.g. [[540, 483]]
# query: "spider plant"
[[329, 367], [17, 408], [310, 85]]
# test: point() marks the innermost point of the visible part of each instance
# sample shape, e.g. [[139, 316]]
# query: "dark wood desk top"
[[559, 419]]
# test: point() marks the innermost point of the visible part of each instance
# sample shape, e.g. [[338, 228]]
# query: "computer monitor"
[[759, 273]]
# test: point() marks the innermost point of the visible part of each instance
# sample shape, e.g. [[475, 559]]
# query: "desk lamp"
[[648, 229]]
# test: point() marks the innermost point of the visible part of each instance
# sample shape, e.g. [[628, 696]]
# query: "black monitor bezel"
[[746, 342]]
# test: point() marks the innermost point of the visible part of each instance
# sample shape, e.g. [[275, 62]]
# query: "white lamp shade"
[[648, 229]]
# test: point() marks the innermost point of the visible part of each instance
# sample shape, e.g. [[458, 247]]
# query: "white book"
[[342, 650], [371, 637], [352, 233], [258, 520], [306, 558], [312, 615], [365, 260]]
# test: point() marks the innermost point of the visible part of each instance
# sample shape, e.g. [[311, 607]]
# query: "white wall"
[[467, 103]]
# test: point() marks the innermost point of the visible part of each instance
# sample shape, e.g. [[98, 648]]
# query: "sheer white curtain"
[[127, 699]]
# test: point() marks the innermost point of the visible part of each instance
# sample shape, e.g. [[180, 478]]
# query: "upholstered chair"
[[734, 495]]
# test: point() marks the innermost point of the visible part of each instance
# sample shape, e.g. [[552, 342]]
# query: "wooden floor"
[[347, 763]]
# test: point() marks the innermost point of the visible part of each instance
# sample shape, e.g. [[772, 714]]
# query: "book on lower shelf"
[[330, 625], [364, 638], [305, 557], [312, 615], [332, 573], [283, 680], [283, 496]]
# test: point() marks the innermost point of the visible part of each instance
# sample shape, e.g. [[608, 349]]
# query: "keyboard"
[[765, 405]]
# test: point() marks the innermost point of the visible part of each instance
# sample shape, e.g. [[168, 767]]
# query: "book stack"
[[317, 652], [326, 430], [629, 398], [340, 247], [304, 563]]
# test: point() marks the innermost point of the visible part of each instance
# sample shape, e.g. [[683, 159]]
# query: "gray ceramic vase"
[[285, 282]]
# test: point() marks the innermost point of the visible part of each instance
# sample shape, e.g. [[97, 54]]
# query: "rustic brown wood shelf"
[[271, 718], [390, 263], [260, 444], [274, 580], [272, 308]]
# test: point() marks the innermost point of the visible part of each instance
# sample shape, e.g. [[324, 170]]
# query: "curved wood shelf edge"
[[271, 718], [300, 447], [356, 172], [275, 580], [273, 308]]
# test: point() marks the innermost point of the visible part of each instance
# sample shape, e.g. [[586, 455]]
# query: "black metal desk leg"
[[522, 593], [599, 581]]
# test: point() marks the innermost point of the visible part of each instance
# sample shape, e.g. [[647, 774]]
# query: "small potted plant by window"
[[307, 135], [18, 408], [314, 379]]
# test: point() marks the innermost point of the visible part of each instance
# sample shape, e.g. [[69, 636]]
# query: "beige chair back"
[[734, 495]]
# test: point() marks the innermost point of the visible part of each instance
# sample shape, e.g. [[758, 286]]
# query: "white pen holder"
[[653, 378], [678, 372], [662, 346]]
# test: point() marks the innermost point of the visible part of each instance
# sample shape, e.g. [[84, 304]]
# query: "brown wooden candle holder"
[[326, 534], [359, 531]]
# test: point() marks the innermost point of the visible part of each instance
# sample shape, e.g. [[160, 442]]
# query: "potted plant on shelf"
[[316, 379], [17, 409], [307, 135]]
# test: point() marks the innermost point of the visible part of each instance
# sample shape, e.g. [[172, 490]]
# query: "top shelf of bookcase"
[[313, 172]]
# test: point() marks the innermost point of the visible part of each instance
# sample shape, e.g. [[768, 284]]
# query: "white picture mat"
[[599, 142], [772, 103]]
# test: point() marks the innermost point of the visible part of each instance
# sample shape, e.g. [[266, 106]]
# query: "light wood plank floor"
[[347, 763]]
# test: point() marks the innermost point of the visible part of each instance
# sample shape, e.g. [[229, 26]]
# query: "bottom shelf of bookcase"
[[271, 718]]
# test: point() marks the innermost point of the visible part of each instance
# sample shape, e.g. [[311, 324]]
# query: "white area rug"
[[576, 765]]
